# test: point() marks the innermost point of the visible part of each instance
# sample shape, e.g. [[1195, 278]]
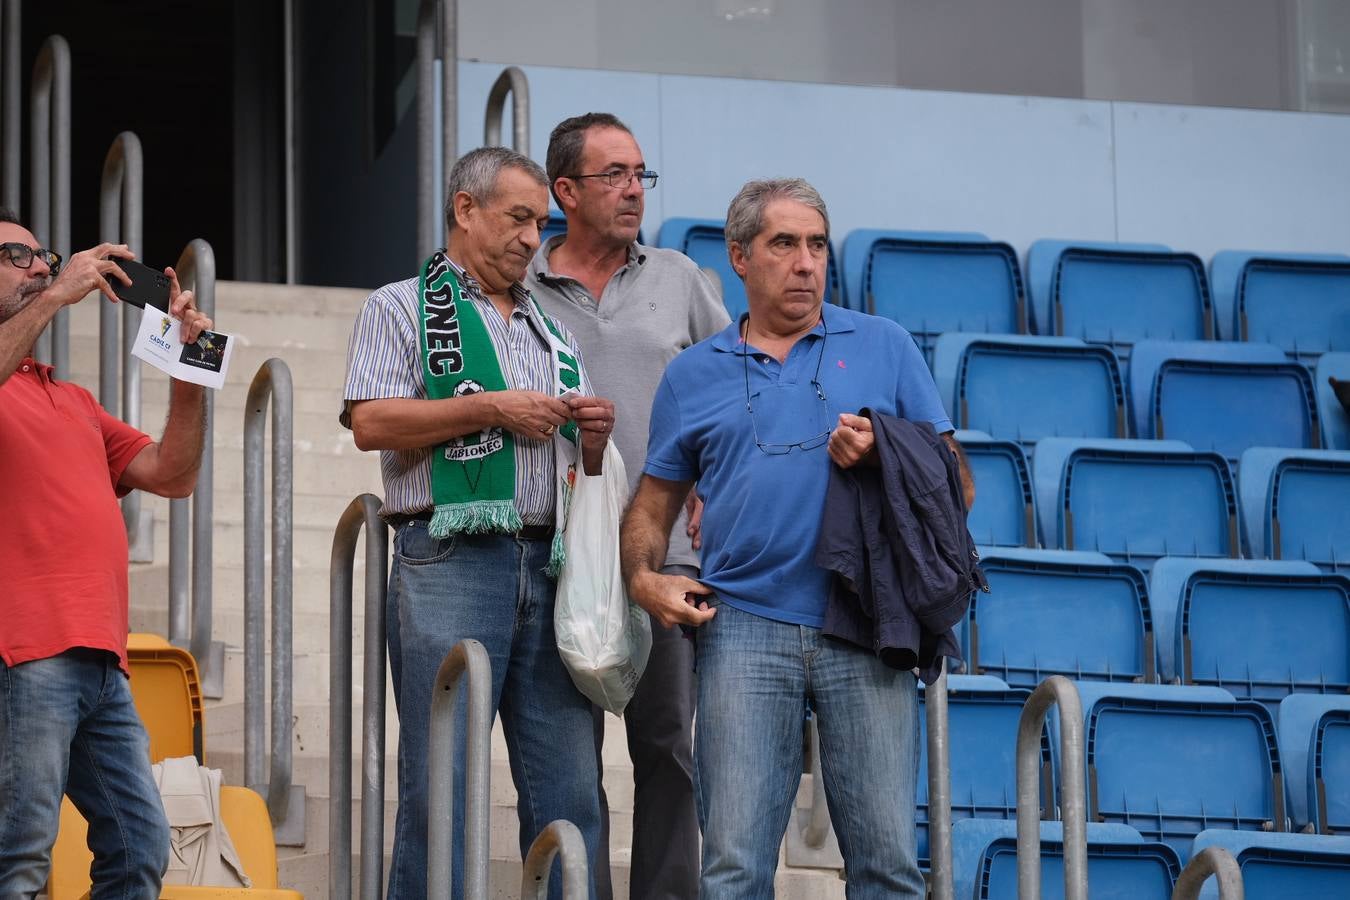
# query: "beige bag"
[[201, 852]]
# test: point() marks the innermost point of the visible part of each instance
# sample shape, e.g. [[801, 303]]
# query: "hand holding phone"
[[148, 287]]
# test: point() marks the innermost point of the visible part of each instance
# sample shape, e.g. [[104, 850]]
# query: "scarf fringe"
[[474, 517], [557, 556]]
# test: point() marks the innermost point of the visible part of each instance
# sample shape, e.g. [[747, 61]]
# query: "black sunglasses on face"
[[21, 255]]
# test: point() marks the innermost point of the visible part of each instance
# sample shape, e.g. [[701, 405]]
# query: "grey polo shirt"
[[653, 307]]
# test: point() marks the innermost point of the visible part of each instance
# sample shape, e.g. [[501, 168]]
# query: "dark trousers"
[[659, 722]]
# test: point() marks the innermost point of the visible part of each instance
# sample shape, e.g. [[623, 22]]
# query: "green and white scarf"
[[473, 478]]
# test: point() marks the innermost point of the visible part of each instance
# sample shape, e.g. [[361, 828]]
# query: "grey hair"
[[745, 215], [476, 173]]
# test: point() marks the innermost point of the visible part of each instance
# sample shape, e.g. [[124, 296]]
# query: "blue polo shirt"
[[762, 511]]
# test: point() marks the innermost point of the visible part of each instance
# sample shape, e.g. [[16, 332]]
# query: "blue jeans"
[[755, 677], [491, 588], [68, 726]]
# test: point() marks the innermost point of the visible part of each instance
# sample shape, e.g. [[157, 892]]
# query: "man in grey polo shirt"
[[631, 309]]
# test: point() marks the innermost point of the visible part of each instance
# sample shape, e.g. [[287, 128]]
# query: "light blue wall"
[[1016, 168]]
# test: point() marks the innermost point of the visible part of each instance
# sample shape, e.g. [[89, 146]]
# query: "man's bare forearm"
[[645, 534], [412, 424], [19, 332], [180, 449]]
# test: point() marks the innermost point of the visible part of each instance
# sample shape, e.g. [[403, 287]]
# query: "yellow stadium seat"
[[245, 816], [167, 692]]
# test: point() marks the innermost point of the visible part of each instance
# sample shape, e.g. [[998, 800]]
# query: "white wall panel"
[[1209, 179]]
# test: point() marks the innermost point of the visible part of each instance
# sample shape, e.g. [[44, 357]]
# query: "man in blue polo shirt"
[[753, 417]]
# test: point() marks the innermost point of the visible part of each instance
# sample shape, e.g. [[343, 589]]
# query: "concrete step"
[[308, 873], [249, 297], [224, 734], [320, 366]]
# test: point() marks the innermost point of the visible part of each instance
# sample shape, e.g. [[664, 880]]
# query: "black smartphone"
[[148, 287]]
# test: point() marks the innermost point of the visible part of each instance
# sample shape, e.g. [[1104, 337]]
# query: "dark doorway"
[[200, 83]]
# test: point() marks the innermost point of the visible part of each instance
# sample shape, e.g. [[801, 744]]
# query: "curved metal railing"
[[466, 656], [49, 110], [362, 513], [121, 215], [559, 838], [11, 85], [1055, 690], [437, 41], [196, 270], [1214, 861], [512, 81], [939, 786], [273, 382]]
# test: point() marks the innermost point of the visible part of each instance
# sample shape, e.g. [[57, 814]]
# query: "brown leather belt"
[[526, 532]]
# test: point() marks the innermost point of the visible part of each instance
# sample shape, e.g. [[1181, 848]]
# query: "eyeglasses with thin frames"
[[21, 255], [621, 178], [780, 449]]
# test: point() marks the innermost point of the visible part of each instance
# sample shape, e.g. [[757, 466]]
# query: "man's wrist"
[[635, 579]]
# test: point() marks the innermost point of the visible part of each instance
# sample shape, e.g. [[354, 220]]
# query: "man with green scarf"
[[481, 410]]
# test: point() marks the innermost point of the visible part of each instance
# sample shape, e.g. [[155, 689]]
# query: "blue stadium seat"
[[1222, 396], [557, 224], [1043, 271], [1299, 302], [982, 715], [1119, 294], [1335, 422], [931, 282], [1282, 866], [1121, 866], [1004, 513], [1207, 612], [1027, 388], [1135, 501], [1296, 505], [704, 241], [1315, 746], [1173, 760], [1055, 612]]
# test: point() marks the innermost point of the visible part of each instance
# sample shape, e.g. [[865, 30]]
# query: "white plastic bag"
[[604, 640]]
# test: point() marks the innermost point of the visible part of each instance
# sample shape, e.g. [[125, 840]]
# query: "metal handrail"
[[939, 786], [1214, 861], [362, 512], [559, 837], [12, 89], [512, 81], [1055, 690], [50, 166], [121, 216], [196, 270], [437, 23], [273, 382], [468, 655]]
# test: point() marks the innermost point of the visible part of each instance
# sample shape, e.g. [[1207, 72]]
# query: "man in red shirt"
[[67, 722]]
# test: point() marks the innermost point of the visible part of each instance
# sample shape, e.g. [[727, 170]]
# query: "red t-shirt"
[[63, 545]]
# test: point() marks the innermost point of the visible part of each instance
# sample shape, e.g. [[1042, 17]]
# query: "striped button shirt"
[[384, 361]]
